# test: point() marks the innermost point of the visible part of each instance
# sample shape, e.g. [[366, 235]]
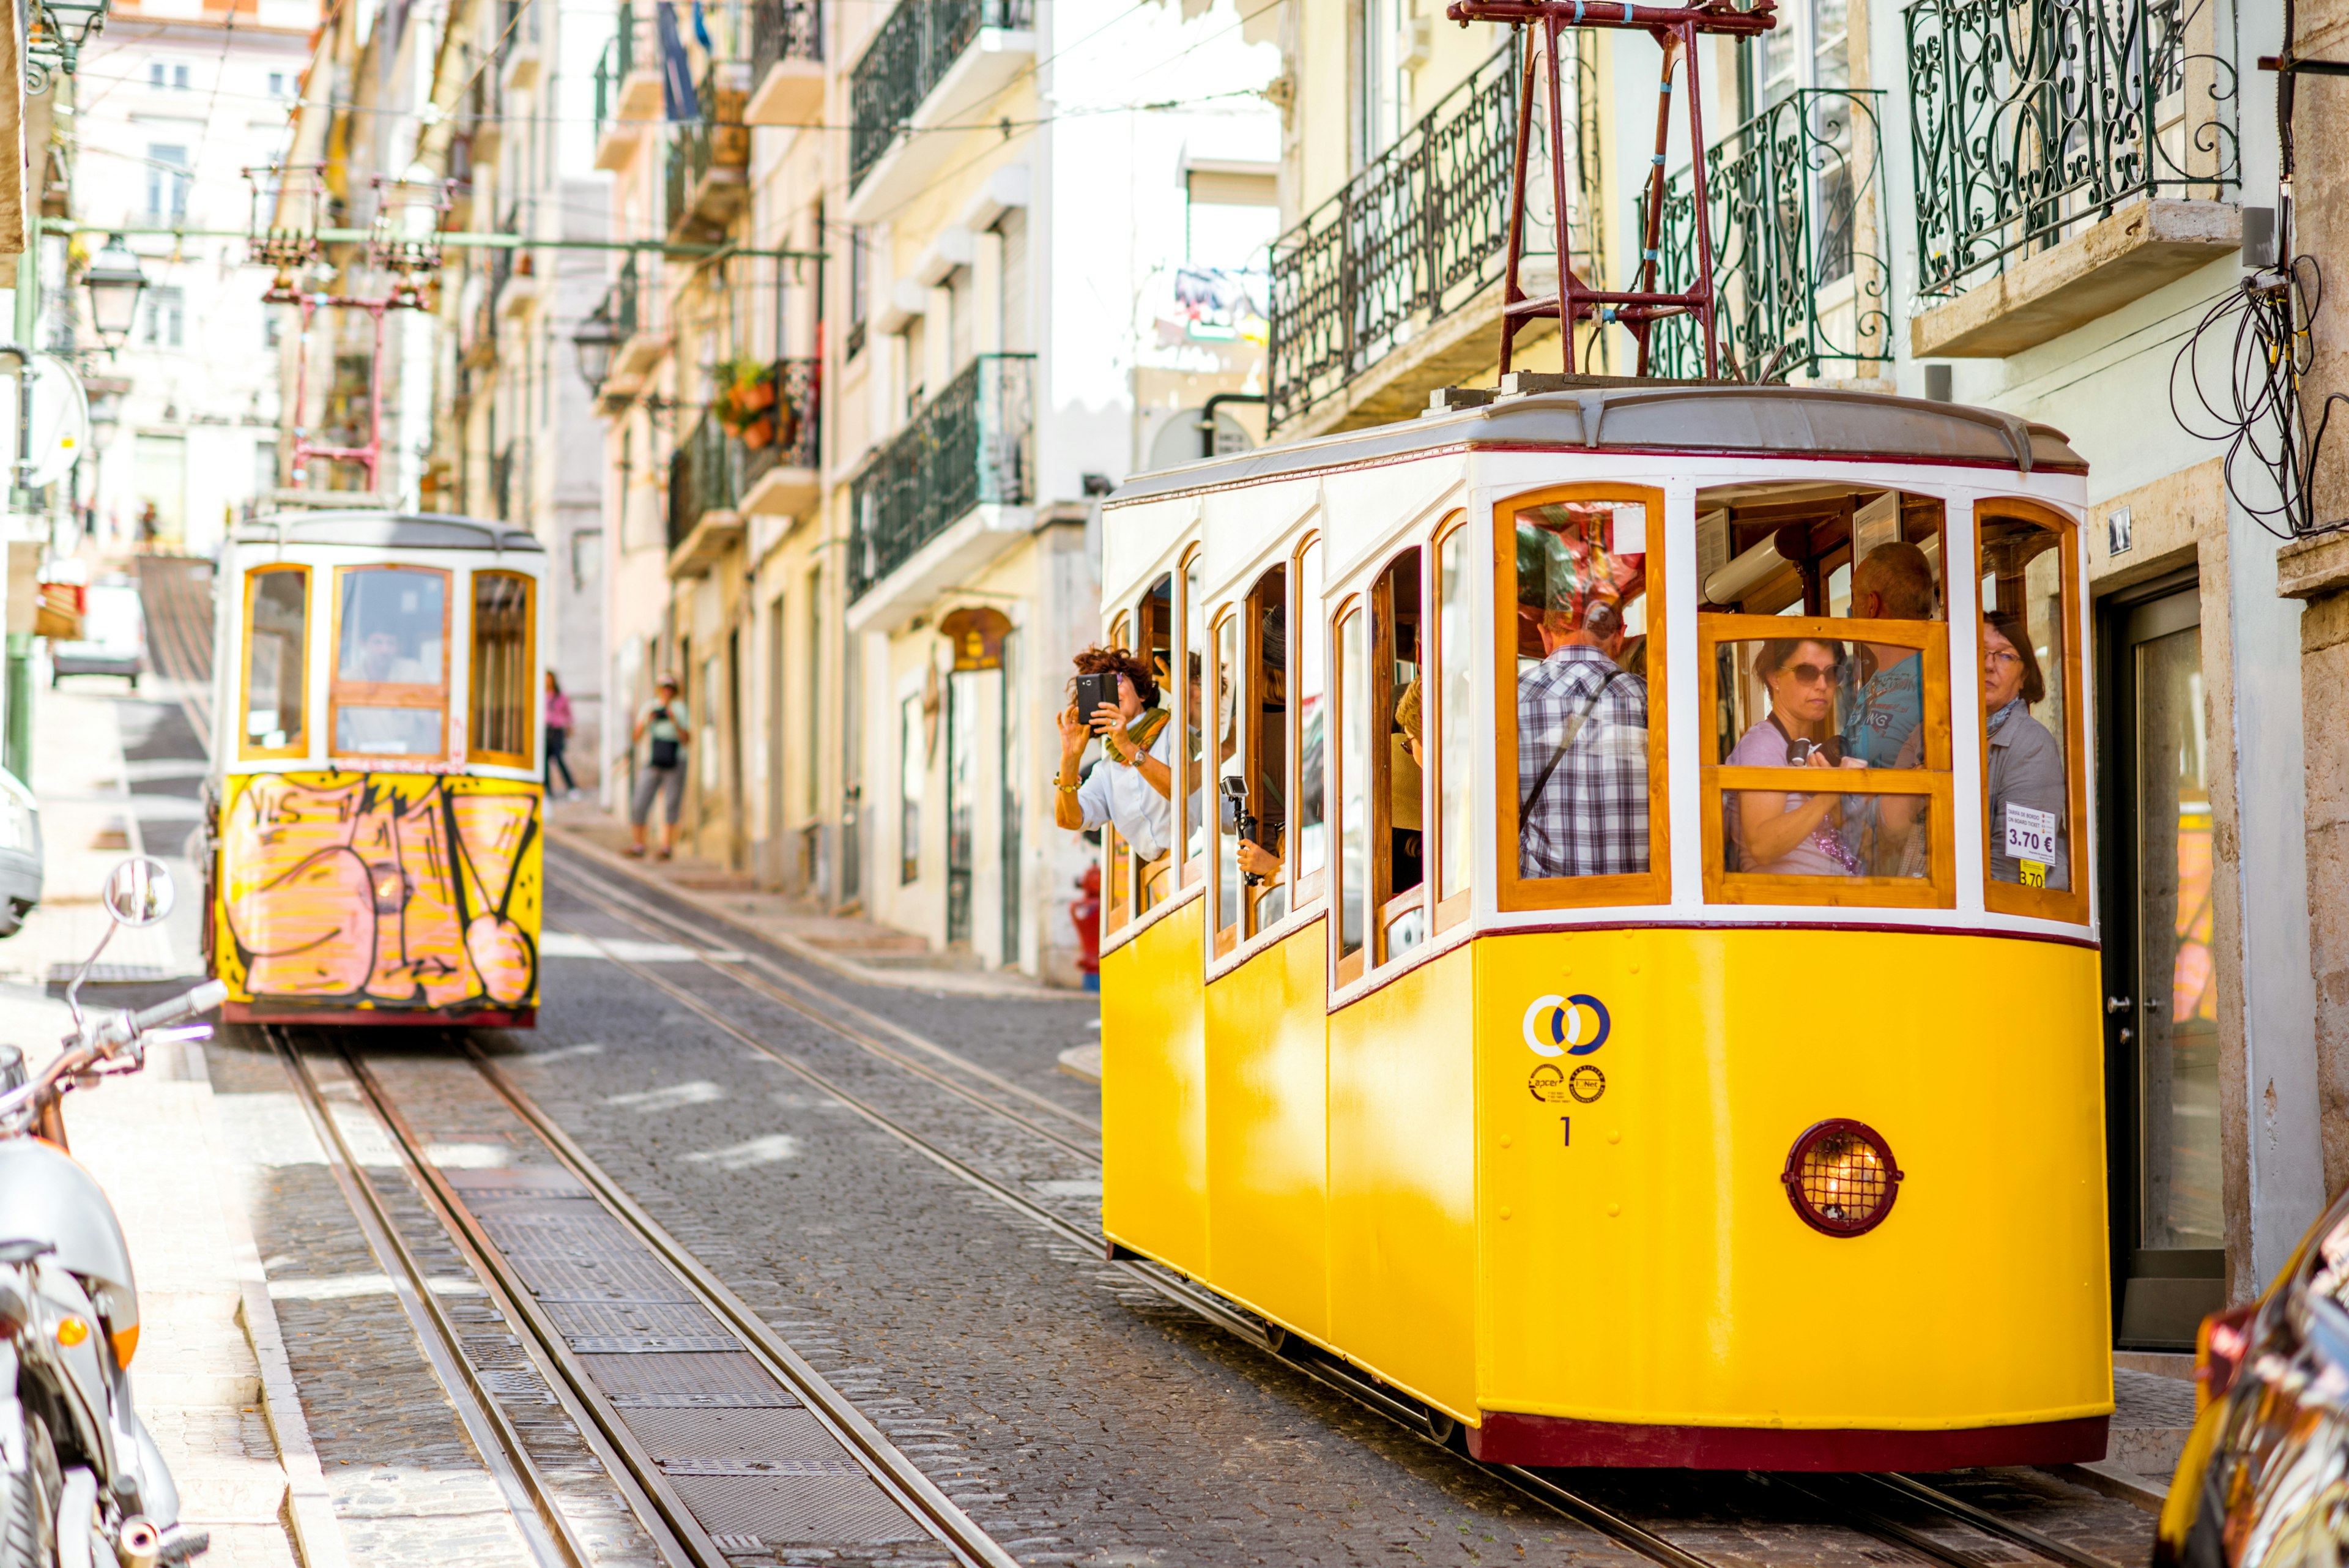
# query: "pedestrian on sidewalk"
[[663, 723], [1133, 789], [558, 733]]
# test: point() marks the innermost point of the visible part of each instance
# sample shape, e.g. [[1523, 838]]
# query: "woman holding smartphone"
[[1133, 789], [1789, 835]]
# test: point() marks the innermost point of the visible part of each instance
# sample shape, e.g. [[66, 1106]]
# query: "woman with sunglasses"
[[1791, 835]]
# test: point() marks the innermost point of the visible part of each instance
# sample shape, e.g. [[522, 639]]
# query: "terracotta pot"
[[758, 433], [756, 396]]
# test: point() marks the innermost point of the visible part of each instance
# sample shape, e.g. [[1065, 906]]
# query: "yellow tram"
[[373, 820], [1662, 1028]]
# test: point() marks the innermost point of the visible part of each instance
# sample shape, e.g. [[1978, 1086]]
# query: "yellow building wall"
[[1267, 1146], [1154, 1093], [1653, 1269]]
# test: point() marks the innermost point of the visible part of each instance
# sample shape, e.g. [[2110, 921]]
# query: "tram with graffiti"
[[1625, 975], [373, 818]]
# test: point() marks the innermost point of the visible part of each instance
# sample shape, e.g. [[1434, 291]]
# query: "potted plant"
[[746, 390]]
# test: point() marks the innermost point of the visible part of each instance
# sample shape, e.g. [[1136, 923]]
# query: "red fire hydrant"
[[1084, 910]]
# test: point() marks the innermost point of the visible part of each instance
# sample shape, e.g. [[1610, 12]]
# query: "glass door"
[[2161, 1008]]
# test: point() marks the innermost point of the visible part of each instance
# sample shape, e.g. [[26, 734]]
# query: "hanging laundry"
[[678, 101]]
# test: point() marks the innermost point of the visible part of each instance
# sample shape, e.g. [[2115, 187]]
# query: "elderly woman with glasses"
[[2026, 765], [1790, 835]]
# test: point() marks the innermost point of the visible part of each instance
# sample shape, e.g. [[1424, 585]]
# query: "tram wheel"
[[1442, 1427]]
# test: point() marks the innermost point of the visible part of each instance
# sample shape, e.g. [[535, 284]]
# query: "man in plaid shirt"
[[1582, 735]]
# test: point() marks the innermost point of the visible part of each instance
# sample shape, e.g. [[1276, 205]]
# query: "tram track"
[[1864, 1516], [530, 1258]]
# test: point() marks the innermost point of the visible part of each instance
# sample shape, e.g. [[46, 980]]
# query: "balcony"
[[708, 182], [1795, 199], [628, 88], [630, 305], [521, 58], [932, 63], [924, 505], [484, 118], [1393, 286], [782, 475], [2071, 157], [786, 63], [704, 491]]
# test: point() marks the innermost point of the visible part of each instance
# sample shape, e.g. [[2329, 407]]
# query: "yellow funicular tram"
[[374, 818], [1660, 1025]]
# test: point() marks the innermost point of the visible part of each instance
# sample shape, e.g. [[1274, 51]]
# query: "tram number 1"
[[1565, 1125]]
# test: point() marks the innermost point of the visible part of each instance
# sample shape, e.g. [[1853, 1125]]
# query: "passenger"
[[1886, 728], [1133, 789], [1582, 723], [1791, 834], [2026, 763], [1405, 771], [1261, 856]]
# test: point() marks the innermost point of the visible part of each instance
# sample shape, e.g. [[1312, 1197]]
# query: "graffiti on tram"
[[392, 890]]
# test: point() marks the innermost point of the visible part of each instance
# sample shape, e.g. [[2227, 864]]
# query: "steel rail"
[[1358, 1386], [693, 1540], [544, 1530], [602, 894]]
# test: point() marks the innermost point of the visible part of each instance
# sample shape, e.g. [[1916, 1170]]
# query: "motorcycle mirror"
[[138, 892]]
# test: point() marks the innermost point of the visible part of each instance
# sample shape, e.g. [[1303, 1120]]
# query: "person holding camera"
[[663, 723], [1789, 835], [1116, 699]]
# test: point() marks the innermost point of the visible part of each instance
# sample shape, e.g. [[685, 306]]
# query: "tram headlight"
[[1841, 1177]]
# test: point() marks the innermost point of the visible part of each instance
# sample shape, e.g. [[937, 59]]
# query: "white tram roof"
[[382, 530], [1604, 414]]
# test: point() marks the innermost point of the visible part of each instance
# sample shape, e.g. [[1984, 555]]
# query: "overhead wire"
[[2264, 327]]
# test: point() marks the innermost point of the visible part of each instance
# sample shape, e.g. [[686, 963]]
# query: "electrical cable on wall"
[[2260, 412]]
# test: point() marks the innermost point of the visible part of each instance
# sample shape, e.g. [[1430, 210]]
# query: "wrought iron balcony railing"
[[1417, 234], [784, 30], [2031, 119], [719, 140], [705, 474], [1797, 201], [786, 433], [971, 445], [612, 67], [909, 56], [621, 306]]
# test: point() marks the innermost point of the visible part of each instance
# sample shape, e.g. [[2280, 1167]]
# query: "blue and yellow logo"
[[1567, 1025]]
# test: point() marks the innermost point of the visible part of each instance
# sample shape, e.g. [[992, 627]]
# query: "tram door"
[[2161, 1008]]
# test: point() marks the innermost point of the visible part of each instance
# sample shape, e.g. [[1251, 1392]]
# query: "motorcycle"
[[81, 1482]]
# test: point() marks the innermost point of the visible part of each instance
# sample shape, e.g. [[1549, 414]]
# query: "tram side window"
[[390, 673], [502, 656], [1354, 709], [276, 657], [1195, 722], [1154, 641], [1578, 573], [1261, 846], [1310, 833], [1398, 757], [1456, 661], [2025, 592]]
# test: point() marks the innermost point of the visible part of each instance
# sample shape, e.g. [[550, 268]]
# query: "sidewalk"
[[858, 949], [210, 1374]]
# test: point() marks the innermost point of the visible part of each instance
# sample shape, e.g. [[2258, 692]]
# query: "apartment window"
[[167, 313], [958, 346], [860, 283], [168, 76], [281, 84], [1011, 303], [913, 758], [917, 356], [167, 181], [1230, 219]]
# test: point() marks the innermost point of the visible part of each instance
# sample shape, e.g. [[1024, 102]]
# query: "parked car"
[[20, 853], [113, 636], [2262, 1482]]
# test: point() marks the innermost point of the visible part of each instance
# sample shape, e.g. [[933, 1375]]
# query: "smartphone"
[[1092, 691], [1799, 752]]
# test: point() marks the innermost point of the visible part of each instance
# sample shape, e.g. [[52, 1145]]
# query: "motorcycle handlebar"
[[202, 999]]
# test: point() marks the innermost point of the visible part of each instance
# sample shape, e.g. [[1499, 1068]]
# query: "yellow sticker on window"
[[2035, 874]]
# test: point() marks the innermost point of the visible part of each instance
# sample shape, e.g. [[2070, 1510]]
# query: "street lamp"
[[115, 283], [596, 340], [104, 408]]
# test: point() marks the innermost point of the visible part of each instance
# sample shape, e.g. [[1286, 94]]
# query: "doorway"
[[2161, 1008]]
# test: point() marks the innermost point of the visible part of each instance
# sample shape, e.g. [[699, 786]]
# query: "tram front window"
[[389, 673], [2024, 595], [1580, 634], [503, 710], [276, 639]]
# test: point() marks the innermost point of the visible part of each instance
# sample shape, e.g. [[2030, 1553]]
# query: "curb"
[[309, 1511], [2103, 1476], [946, 982]]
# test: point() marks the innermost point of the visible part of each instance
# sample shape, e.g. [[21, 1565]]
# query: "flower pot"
[[758, 433], [757, 395]]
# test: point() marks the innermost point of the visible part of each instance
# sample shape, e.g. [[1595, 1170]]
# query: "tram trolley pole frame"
[[1676, 29]]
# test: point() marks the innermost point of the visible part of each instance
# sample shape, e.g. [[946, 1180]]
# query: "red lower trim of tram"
[[394, 1018], [1507, 1438]]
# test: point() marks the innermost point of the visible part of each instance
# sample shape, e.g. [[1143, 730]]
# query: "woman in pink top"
[[558, 729], [1791, 835]]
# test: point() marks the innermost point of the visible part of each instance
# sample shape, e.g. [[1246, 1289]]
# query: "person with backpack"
[[1582, 721], [663, 724]]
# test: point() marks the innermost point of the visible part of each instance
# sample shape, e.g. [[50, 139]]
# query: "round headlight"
[[1841, 1179]]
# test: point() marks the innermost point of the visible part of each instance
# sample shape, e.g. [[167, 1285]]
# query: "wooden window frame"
[[473, 674], [299, 747], [1304, 891], [1252, 738], [1151, 878], [1452, 911], [1516, 893], [1937, 890], [2069, 905], [1381, 907], [1224, 932], [1348, 967], [1194, 868], [387, 694]]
